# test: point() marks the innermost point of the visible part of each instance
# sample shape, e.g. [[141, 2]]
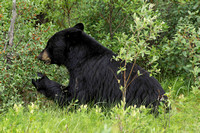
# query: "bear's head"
[[60, 44]]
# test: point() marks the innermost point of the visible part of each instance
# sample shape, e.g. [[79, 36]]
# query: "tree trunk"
[[11, 29]]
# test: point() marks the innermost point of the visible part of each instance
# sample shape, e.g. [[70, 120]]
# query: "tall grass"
[[183, 117]]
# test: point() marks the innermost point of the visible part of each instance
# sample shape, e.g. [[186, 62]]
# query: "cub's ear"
[[79, 26]]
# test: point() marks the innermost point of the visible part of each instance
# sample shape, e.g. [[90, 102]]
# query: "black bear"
[[93, 73]]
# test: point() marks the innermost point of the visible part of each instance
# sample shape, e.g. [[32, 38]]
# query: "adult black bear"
[[93, 73]]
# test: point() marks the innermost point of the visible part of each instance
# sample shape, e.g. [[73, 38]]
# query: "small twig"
[[114, 74], [117, 13], [132, 67], [134, 78], [125, 18], [28, 42], [106, 19], [19, 41]]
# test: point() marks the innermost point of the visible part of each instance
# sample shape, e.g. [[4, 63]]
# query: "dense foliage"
[[162, 36]]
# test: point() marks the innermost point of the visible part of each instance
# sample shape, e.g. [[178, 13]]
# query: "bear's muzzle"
[[43, 56]]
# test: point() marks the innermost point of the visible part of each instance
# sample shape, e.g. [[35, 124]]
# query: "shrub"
[[132, 28]]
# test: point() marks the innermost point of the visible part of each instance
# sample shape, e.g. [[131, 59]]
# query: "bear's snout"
[[43, 56]]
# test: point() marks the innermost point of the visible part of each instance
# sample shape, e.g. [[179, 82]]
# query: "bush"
[[181, 52], [135, 29], [172, 11], [18, 64]]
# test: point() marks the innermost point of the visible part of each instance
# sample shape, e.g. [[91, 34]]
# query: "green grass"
[[18, 65], [184, 117]]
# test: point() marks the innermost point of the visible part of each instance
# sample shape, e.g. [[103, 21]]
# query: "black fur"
[[93, 73]]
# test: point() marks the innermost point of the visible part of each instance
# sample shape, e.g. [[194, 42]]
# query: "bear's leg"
[[51, 89]]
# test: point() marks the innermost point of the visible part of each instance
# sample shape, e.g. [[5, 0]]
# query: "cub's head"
[[59, 45]]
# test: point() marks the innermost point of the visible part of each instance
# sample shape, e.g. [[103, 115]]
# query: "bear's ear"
[[74, 35], [79, 26]]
